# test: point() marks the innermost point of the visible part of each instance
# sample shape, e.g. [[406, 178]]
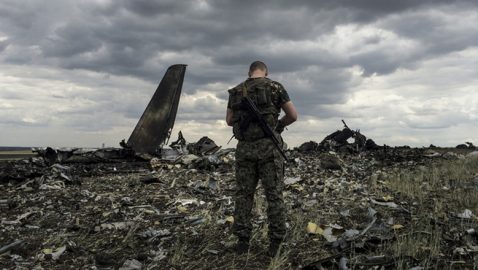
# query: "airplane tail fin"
[[155, 125]]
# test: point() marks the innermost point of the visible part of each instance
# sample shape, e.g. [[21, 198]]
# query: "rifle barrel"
[[255, 113]]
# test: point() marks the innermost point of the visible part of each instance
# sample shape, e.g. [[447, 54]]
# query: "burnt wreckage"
[[339, 141], [156, 123], [148, 137]]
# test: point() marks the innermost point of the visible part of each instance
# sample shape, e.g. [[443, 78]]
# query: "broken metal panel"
[[205, 146], [157, 121]]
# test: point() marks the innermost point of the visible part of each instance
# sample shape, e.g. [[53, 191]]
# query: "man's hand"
[[280, 127]]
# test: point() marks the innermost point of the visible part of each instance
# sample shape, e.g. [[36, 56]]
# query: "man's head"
[[257, 69]]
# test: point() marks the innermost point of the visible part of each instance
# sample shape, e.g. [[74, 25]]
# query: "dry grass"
[[440, 190], [445, 182], [432, 192], [15, 154]]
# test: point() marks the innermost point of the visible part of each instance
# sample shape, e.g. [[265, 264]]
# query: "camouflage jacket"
[[268, 96]]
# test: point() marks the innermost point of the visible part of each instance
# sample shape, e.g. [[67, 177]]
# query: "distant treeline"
[[14, 148]]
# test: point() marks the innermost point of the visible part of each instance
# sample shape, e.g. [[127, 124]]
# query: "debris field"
[[349, 206]]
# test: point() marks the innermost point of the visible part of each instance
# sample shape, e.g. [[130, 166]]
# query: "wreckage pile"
[[349, 206]]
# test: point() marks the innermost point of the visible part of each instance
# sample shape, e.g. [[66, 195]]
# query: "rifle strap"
[[244, 89]]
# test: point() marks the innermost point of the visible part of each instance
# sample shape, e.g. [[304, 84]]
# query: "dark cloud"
[[3, 45], [153, 8], [70, 40], [124, 37], [320, 50]]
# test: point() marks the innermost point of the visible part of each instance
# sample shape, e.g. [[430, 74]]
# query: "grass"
[[434, 193], [444, 182], [15, 154], [439, 192]]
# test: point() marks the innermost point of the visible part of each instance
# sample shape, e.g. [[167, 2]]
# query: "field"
[[393, 210], [15, 154]]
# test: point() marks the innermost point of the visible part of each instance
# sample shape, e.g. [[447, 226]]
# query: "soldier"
[[256, 156]]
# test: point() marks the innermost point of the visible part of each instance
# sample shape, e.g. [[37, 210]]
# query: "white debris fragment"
[[345, 213], [467, 214], [152, 233], [431, 153], [159, 254], [131, 265], [389, 204], [460, 251], [115, 226], [310, 203], [187, 201], [187, 159], [343, 263], [58, 252], [328, 235], [351, 234], [291, 180]]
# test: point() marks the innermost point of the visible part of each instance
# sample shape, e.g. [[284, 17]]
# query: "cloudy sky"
[[80, 73]]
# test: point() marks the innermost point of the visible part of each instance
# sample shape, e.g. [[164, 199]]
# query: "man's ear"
[[249, 74], [267, 73]]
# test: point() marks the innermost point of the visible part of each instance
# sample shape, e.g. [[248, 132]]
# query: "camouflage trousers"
[[259, 160]]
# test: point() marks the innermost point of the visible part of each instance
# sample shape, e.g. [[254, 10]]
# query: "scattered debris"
[[347, 206], [83, 155], [338, 141], [467, 145]]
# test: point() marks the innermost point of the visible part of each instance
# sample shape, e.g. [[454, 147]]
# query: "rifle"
[[255, 114]]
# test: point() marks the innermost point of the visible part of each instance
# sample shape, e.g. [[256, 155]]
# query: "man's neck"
[[258, 73]]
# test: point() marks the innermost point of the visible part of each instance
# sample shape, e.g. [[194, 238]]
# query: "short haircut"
[[257, 65]]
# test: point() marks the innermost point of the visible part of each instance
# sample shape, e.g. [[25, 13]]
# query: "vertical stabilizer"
[[157, 121]]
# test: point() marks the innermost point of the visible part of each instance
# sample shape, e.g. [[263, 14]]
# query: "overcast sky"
[[80, 73]]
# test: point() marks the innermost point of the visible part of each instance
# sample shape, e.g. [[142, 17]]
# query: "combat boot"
[[242, 246], [274, 248]]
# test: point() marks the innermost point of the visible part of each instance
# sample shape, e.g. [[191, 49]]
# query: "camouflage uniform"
[[257, 158]]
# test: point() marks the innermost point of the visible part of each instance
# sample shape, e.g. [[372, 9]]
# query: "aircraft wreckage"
[[351, 203], [156, 123]]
